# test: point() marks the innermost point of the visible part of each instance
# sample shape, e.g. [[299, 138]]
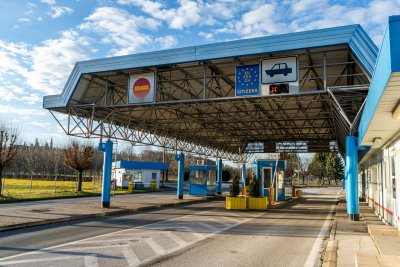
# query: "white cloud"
[[53, 61], [58, 11], [17, 111], [31, 99], [24, 20], [123, 29], [39, 124], [188, 12], [206, 35], [166, 41], [49, 2], [44, 67], [262, 20]]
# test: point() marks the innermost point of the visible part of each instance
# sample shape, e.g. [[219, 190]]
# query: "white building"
[[124, 172]]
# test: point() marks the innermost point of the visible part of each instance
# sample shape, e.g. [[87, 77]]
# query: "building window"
[[138, 177], [154, 176], [393, 163]]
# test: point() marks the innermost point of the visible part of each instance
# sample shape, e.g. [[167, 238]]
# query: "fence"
[[41, 186]]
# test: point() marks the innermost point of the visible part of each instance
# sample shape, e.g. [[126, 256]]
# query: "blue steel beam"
[[244, 174], [181, 170], [351, 178], [107, 165], [219, 176]]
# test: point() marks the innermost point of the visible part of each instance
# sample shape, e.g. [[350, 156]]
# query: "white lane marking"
[[175, 238], [231, 219], [314, 253], [204, 237], [44, 250], [37, 260], [134, 262], [91, 261], [221, 222], [154, 246], [130, 256], [210, 227]]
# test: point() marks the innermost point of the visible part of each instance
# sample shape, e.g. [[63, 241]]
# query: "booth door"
[[266, 179]]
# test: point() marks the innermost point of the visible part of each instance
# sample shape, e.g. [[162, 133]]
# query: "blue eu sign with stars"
[[247, 80]]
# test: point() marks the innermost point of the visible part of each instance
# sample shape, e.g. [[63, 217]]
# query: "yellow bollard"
[[153, 185], [299, 193], [271, 196], [130, 187]]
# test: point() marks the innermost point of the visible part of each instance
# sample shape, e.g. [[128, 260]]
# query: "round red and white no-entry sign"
[[141, 88]]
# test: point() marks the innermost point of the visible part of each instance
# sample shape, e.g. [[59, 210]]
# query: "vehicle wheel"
[[285, 74], [272, 75]]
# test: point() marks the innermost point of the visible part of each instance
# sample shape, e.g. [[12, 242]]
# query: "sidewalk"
[[34, 213], [362, 243]]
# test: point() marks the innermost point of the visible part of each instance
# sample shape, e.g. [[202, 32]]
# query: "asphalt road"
[[192, 235]]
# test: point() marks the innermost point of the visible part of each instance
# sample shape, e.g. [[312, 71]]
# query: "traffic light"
[[278, 88]]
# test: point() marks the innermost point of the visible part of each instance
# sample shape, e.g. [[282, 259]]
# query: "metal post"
[[107, 148], [219, 176], [55, 184], [181, 170], [204, 81], [258, 178], [324, 71], [244, 174], [351, 178]]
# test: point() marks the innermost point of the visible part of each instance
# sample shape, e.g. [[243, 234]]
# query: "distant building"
[[124, 172]]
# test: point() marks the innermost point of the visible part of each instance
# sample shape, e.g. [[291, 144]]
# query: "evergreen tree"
[[330, 166], [339, 169]]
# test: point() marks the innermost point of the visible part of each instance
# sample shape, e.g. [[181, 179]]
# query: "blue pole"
[[181, 171], [244, 174], [351, 178], [258, 177], [107, 165], [219, 176]]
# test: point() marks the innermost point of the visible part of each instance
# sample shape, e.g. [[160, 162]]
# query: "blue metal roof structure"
[[195, 108], [139, 165], [353, 35], [382, 100]]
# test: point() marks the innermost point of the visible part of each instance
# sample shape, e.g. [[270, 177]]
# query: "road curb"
[[101, 214], [330, 253], [276, 206]]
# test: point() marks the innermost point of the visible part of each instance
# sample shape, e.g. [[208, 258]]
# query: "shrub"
[[254, 187], [235, 189]]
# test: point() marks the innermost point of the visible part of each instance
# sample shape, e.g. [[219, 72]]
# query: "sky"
[[40, 41]]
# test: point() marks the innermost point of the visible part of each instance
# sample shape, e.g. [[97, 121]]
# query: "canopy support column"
[[351, 178], [181, 170], [219, 176], [244, 174], [258, 177], [107, 148]]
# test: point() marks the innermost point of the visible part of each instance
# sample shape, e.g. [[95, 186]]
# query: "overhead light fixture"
[[396, 112], [377, 141]]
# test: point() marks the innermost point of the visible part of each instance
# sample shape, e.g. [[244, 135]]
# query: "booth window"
[[127, 177], [212, 177], [198, 177], [267, 177], [153, 176], [138, 177]]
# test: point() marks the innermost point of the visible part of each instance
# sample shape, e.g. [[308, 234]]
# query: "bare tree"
[[79, 158], [8, 148]]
